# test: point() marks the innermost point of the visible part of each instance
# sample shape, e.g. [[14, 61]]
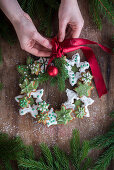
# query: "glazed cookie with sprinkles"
[[43, 107], [42, 118], [38, 95], [64, 115], [86, 77], [83, 89], [32, 110], [86, 101], [80, 112], [75, 68], [52, 118], [71, 95], [25, 101], [35, 68], [28, 86]]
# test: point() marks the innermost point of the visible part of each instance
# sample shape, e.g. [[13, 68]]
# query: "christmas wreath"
[[34, 73], [56, 70]]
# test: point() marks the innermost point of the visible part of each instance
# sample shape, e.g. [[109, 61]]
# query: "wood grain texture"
[[25, 126]]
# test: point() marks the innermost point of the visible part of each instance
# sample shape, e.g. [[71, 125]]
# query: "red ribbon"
[[68, 45]]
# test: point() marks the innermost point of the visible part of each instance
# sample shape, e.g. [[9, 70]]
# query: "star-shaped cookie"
[[83, 89], [32, 110], [80, 67], [27, 87], [64, 115]]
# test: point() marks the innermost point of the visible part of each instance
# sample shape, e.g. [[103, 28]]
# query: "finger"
[[43, 41], [76, 32], [62, 29], [41, 48], [38, 53]]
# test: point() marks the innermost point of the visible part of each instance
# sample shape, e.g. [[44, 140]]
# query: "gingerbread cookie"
[[43, 107], [52, 118], [28, 86], [38, 95], [86, 77], [64, 115], [75, 68], [80, 112], [83, 89], [42, 118], [32, 110], [87, 101], [35, 68]]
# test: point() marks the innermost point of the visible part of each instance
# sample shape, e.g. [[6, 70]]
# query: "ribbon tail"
[[95, 69], [70, 44]]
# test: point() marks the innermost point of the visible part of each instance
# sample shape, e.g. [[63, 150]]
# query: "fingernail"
[[61, 39], [50, 46]]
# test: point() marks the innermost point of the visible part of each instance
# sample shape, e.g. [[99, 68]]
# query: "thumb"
[[62, 29], [41, 40]]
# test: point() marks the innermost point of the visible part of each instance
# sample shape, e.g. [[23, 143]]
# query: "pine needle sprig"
[[100, 8], [29, 164], [79, 153], [10, 149], [105, 159], [62, 75], [103, 141], [47, 155], [61, 159]]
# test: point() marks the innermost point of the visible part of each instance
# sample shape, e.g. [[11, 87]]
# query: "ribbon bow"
[[68, 45]]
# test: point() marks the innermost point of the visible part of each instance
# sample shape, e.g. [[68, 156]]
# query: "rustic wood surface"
[[25, 126]]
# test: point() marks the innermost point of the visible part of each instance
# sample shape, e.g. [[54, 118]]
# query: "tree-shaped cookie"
[[64, 115]]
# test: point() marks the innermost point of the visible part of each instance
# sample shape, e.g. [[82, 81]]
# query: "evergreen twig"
[[100, 8]]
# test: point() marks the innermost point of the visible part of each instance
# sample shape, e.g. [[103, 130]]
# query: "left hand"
[[70, 20]]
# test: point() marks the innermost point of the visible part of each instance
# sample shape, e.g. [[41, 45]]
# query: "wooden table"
[[31, 133]]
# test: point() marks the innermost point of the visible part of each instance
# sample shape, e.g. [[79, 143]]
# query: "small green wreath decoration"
[[34, 73]]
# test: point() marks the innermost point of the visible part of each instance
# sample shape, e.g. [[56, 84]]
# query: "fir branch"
[[43, 77], [28, 163], [99, 8], [84, 150], [47, 155], [7, 165], [87, 164], [75, 149], [103, 141], [10, 149], [61, 159], [104, 160], [112, 114]]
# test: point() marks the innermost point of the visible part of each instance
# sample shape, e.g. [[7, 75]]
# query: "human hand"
[[30, 40], [70, 20]]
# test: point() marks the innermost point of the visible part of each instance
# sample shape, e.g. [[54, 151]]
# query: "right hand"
[[30, 40]]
